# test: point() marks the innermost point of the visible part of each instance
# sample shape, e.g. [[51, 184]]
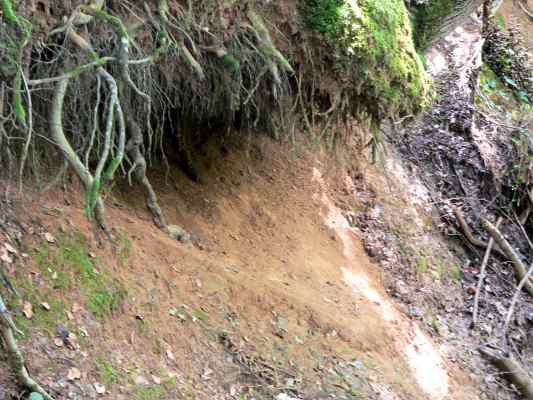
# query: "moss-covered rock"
[[374, 52]]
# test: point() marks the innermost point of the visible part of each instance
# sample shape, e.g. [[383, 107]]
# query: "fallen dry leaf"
[[4, 256], [170, 355], [49, 237], [10, 248], [27, 310], [73, 374]]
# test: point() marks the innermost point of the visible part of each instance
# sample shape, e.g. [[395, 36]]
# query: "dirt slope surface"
[[275, 295]]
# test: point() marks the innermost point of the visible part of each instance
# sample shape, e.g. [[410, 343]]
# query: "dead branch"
[[516, 295], [482, 274], [510, 252], [512, 370]]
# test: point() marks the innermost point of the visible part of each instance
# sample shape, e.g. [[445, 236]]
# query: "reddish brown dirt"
[[262, 250]]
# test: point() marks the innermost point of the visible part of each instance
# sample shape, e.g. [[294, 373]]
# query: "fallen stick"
[[512, 370], [520, 268], [515, 299], [482, 274]]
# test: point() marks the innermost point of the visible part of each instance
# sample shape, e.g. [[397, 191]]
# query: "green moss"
[[374, 45], [324, 16], [9, 12], [69, 266], [91, 197], [113, 166], [112, 20], [231, 62]]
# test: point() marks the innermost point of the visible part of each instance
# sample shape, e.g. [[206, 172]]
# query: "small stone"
[[73, 374], [100, 389], [177, 233], [141, 381], [27, 310], [49, 237], [46, 306]]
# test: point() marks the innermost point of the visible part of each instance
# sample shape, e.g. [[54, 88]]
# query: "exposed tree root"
[[7, 327], [58, 135], [512, 370], [469, 234], [139, 169], [523, 6]]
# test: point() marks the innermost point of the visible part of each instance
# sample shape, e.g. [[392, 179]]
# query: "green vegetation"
[[69, 266], [374, 47], [501, 94], [457, 273], [42, 319], [107, 372], [324, 16], [156, 392], [423, 265]]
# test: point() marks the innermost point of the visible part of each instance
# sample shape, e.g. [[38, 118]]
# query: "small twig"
[[482, 274], [516, 295]]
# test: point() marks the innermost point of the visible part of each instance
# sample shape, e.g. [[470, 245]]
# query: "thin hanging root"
[[189, 58], [7, 327], [29, 129], [272, 55], [58, 136]]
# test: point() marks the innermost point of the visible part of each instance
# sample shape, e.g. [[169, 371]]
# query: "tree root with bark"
[[511, 369], [7, 335]]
